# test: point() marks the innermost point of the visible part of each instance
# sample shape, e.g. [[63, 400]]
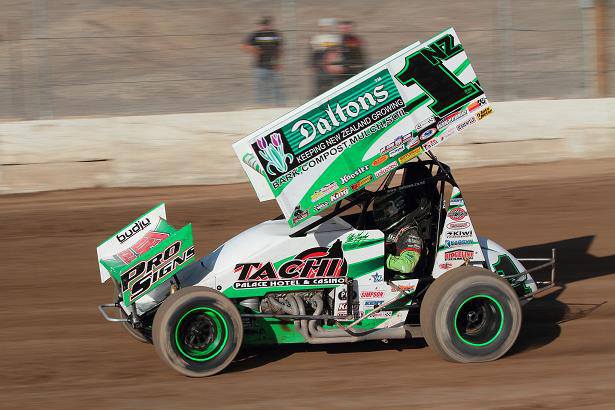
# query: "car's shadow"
[[542, 316], [250, 358]]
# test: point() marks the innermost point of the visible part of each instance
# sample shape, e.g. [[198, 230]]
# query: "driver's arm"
[[409, 248], [405, 262]]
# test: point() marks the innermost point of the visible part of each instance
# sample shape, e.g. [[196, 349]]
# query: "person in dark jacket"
[[265, 45]]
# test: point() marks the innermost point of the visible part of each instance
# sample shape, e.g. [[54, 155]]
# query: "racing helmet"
[[401, 205]]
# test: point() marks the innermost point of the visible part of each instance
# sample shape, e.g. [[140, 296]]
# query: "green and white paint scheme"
[[344, 139]]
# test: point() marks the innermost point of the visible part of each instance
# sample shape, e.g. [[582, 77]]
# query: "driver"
[[400, 214]]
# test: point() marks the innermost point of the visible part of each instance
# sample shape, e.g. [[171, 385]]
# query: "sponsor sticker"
[[459, 234], [477, 104], [447, 133], [385, 169], [343, 306], [412, 142], [327, 189], [299, 214], [483, 113], [426, 122], [315, 266], [458, 225], [451, 243], [352, 175], [396, 143], [427, 134], [431, 143], [404, 288], [137, 227], [371, 294], [409, 155], [377, 277], [379, 160], [457, 214], [396, 151], [451, 118], [456, 202], [364, 181], [466, 123], [320, 207], [339, 194], [458, 254], [445, 265]]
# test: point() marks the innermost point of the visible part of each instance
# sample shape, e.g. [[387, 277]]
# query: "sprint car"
[[318, 273]]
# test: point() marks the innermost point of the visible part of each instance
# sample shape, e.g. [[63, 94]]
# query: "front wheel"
[[197, 331], [469, 314]]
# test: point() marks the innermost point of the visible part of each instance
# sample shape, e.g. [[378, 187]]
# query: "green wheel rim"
[[215, 346], [501, 311]]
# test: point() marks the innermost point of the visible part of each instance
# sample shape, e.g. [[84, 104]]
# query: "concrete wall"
[[192, 149]]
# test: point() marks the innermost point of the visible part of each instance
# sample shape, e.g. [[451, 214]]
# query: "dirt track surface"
[[56, 350]]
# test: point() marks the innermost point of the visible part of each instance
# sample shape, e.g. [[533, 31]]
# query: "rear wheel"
[[197, 331], [469, 314]]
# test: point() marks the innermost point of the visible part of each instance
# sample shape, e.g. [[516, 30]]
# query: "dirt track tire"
[[141, 336], [470, 314], [197, 331]]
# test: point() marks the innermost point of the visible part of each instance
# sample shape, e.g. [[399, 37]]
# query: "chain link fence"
[[87, 58]]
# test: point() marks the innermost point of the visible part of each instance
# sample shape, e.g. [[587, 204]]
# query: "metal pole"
[[601, 56], [505, 25], [586, 6], [289, 10], [40, 25]]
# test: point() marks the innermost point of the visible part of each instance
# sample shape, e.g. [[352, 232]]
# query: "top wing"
[[342, 140]]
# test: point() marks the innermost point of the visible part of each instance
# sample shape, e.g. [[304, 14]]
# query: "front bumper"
[[541, 286]]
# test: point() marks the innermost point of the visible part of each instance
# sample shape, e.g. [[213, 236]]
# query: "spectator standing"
[[353, 56], [265, 45], [323, 48]]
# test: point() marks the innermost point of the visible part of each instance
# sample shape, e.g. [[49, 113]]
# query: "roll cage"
[[364, 198]]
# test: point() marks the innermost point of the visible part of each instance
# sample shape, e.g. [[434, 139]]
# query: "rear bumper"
[[103, 311]]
